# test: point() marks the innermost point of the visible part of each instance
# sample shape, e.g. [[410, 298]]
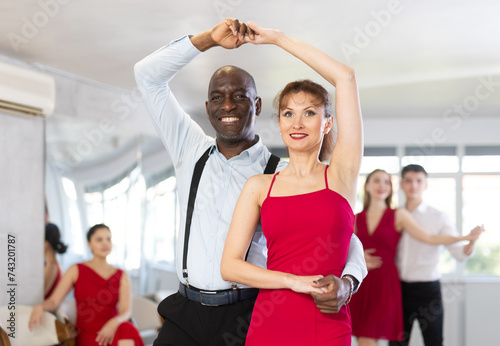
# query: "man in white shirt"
[[208, 310], [417, 262]]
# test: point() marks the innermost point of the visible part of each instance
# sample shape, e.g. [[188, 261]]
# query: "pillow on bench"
[[15, 323]]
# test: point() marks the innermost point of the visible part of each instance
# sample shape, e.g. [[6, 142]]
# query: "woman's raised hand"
[[258, 35]]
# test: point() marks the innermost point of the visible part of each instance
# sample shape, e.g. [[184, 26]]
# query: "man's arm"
[[179, 133], [177, 130], [228, 34], [355, 263], [339, 289]]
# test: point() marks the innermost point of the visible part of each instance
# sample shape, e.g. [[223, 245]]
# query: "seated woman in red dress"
[[102, 294]]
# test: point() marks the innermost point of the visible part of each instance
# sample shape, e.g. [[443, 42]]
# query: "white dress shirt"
[[417, 261], [222, 179]]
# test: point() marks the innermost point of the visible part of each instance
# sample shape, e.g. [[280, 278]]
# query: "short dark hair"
[[413, 168], [230, 68], [94, 228]]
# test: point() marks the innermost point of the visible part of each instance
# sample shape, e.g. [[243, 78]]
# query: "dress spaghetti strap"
[[326, 179], [272, 183]]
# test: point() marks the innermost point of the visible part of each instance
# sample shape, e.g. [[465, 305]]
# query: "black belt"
[[216, 298]]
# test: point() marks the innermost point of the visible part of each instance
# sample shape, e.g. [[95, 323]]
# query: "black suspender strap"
[[195, 181], [272, 164]]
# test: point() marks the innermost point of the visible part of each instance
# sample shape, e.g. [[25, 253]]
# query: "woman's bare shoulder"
[[260, 181], [257, 186]]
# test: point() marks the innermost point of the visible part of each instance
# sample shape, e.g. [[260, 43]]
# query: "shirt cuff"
[[355, 271]]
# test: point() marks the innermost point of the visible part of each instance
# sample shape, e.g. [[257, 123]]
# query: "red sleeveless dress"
[[376, 308], [306, 234], [96, 301], [56, 281]]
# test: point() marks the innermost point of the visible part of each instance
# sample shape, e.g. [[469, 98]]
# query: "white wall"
[[427, 132], [21, 209]]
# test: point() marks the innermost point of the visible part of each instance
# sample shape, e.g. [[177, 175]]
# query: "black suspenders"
[[195, 181], [272, 164]]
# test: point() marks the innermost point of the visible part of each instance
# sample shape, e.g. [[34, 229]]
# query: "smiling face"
[[302, 122], [232, 105], [378, 186], [100, 242]]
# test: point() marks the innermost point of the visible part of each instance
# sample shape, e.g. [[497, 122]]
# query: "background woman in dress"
[[102, 294], [376, 309], [52, 270], [306, 209]]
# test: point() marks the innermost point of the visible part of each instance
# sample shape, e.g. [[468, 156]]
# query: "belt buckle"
[[201, 297]]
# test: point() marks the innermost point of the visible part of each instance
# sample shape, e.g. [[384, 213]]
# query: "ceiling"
[[412, 58]]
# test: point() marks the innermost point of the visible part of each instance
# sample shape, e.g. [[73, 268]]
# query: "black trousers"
[[188, 323], [422, 301]]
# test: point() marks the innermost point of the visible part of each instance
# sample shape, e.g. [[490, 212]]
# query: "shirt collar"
[[251, 154], [255, 150], [422, 207]]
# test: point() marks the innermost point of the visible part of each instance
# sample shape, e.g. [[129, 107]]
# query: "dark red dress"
[[376, 308], [306, 234], [96, 300], [56, 281]]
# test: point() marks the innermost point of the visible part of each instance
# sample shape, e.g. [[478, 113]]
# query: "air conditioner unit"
[[26, 92]]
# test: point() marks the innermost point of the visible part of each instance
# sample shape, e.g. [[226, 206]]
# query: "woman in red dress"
[[102, 294], [376, 309], [306, 209]]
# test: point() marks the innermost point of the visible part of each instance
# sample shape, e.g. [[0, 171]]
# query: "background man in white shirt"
[[417, 262]]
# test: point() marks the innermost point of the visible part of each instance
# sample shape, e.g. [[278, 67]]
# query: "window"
[[481, 159], [434, 160], [441, 194], [162, 222], [380, 158], [480, 189], [76, 238], [118, 204], [481, 206]]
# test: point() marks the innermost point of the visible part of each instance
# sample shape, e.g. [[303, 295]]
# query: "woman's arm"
[[404, 221], [348, 149], [52, 303], [245, 218], [107, 333]]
